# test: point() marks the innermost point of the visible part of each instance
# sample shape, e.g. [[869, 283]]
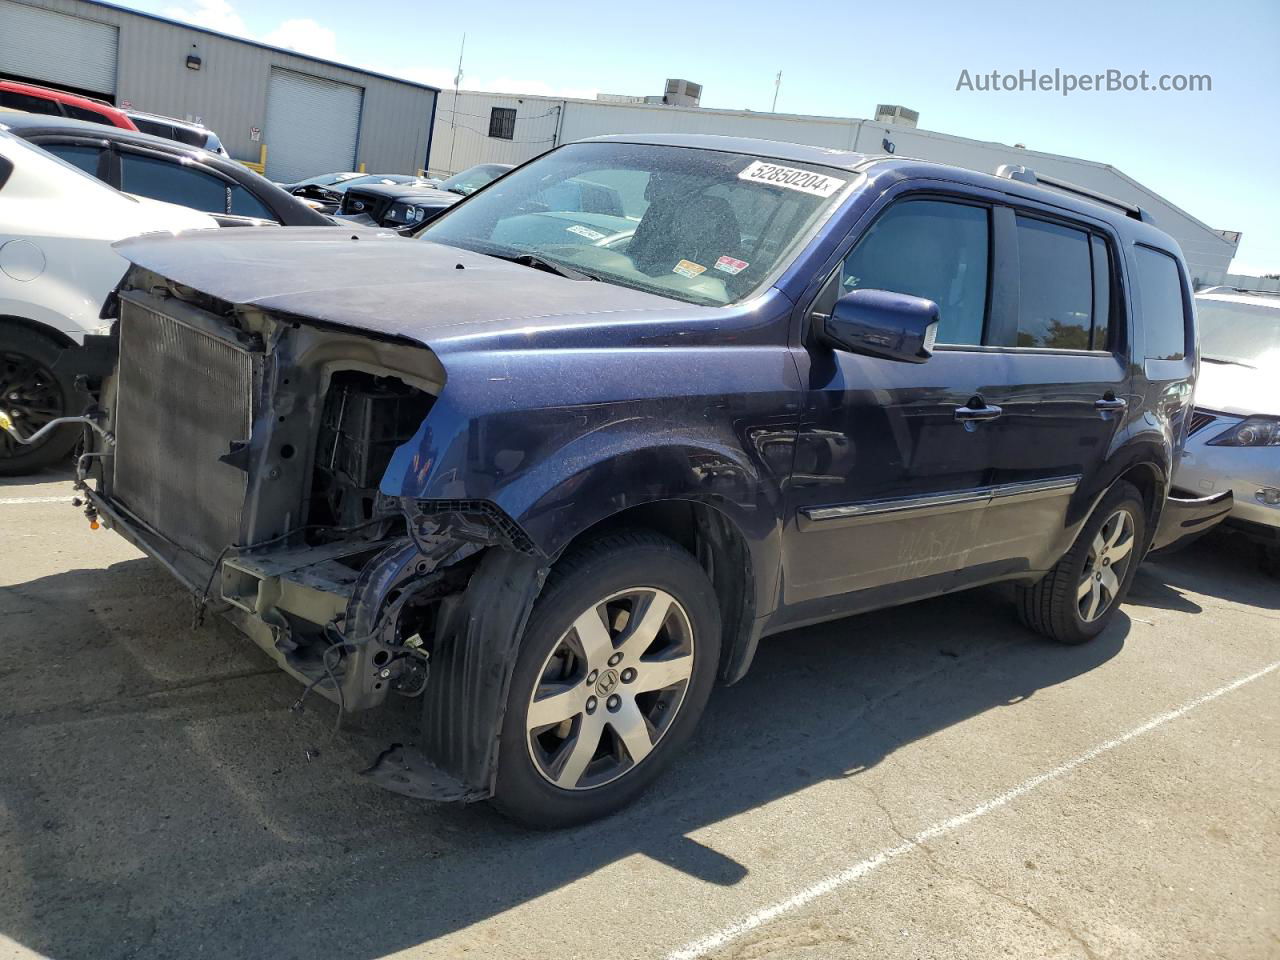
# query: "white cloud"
[[214, 14], [303, 35]]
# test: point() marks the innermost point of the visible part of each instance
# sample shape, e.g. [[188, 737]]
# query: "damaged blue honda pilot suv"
[[557, 464]]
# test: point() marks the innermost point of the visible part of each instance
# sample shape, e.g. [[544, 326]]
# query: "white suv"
[[1234, 435], [57, 267]]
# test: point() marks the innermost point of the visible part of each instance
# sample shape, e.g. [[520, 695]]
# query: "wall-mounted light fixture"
[[193, 59]]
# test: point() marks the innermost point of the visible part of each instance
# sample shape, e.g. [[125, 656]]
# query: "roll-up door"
[[57, 49], [312, 126]]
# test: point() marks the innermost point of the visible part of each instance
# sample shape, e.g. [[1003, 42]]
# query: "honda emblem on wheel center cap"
[[608, 681]]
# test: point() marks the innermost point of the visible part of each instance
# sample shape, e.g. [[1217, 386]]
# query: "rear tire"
[[33, 391], [1076, 599], [596, 710]]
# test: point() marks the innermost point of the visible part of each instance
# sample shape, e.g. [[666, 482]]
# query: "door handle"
[[974, 414], [1110, 404]]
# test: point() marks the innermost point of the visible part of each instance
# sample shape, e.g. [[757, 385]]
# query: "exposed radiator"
[[184, 396]]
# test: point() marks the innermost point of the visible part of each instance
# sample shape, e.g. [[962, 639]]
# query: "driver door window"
[[936, 249]]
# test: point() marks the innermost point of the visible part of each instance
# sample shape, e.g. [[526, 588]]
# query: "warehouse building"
[[311, 115], [472, 127]]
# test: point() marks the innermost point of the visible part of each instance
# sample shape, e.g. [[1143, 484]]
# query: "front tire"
[[614, 670], [1075, 600], [33, 392]]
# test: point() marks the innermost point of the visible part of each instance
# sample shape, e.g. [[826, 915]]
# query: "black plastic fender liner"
[[471, 665]]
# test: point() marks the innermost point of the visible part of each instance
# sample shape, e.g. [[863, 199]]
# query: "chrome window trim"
[[945, 502]]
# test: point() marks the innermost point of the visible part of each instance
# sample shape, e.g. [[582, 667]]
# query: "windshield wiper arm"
[[550, 266], [1224, 360]]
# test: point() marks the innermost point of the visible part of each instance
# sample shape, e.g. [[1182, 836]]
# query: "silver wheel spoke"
[[1085, 586], [1099, 546], [580, 751], [1110, 583], [632, 729], [1119, 551], [650, 620], [660, 674], [594, 637], [556, 706], [1095, 600]]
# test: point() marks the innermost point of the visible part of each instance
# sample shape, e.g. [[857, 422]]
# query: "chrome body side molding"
[[970, 499]]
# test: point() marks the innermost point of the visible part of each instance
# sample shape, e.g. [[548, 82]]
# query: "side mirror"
[[879, 323]]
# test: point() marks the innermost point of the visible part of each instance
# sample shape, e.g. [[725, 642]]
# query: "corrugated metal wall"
[[229, 91], [1208, 254]]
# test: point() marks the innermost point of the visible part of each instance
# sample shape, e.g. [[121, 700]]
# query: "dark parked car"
[[407, 206], [184, 131], [164, 169], [329, 188], [557, 488]]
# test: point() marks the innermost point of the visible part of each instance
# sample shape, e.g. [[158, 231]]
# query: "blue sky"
[[1215, 154]]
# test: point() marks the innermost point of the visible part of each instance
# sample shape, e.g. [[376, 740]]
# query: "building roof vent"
[[682, 93], [895, 113]]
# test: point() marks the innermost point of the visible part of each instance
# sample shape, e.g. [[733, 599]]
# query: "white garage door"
[[57, 49], [312, 126]]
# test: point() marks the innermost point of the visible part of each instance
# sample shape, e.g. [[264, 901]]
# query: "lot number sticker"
[[773, 175], [587, 232]]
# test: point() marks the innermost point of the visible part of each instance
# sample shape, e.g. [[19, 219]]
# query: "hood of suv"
[[381, 282], [1230, 388]]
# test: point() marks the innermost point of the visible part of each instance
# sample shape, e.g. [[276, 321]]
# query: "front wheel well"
[[720, 548], [25, 323], [1150, 481]]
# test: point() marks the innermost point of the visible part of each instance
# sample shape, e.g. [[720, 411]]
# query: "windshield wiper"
[[1225, 361], [550, 266]]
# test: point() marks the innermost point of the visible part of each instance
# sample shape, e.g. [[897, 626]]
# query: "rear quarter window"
[[1164, 310]]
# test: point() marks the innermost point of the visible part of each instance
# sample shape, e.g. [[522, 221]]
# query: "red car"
[[58, 103]]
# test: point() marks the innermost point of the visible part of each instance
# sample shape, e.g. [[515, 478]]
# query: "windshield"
[[696, 225], [473, 178], [1235, 332]]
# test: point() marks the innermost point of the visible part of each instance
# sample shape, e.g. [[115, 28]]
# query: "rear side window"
[[81, 113], [246, 204], [23, 101], [173, 182], [1055, 286], [1164, 315], [932, 249], [84, 157]]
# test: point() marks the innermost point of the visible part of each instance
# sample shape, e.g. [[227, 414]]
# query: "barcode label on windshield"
[[773, 175]]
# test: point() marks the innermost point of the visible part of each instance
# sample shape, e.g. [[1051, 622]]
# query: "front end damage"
[[248, 451]]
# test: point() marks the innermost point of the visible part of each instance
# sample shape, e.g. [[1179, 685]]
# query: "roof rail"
[[1014, 171]]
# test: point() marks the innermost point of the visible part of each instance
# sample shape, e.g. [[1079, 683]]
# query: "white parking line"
[[744, 925], [6, 501]]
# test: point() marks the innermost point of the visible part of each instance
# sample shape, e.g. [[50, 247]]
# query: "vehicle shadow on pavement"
[[1221, 564], [157, 799]]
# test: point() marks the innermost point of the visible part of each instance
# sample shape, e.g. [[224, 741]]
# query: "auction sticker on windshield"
[[805, 181], [587, 232], [687, 268]]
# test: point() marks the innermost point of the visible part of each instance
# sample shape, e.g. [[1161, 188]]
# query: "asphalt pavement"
[[929, 781]]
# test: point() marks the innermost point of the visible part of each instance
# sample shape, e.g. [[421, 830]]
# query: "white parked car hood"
[[156, 215], [1228, 388]]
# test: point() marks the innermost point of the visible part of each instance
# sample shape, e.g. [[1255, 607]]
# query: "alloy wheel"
[[30, 396], [1109, 557], [610, 688]]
